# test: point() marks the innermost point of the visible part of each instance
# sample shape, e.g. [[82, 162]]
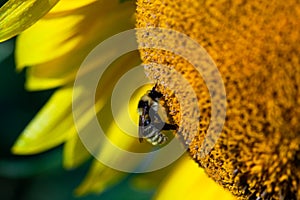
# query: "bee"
[[150, 122]]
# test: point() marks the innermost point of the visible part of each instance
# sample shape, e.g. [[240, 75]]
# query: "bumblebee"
[[150, 122]]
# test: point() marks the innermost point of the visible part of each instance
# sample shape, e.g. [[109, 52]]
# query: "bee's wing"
[[141, 127], [157, 121]]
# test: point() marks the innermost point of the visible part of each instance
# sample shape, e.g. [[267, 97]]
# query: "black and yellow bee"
[[150, 122]]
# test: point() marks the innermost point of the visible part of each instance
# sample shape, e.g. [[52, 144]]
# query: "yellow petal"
[[99, 178], [122, 128], [151, 180], [189, 181], [47, 39], [50, 127], [18, 15], [69, 5], [74, 153], [56, 45], [55, 73]]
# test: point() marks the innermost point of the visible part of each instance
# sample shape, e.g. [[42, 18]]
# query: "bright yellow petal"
[[18, 15], [69, 6], [99, 178], [189, 181], [118, 138], [47, 39], [50, 127], [74, 153], [113, 126], [151, 180], [45, 77], [55, 46]]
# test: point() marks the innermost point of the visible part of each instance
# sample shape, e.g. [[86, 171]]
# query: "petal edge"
[[18, 15]]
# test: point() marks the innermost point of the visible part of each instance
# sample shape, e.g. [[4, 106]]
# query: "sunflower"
[[54, 38], [254, 46]]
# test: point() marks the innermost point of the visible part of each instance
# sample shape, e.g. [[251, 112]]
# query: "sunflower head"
[[249, 71], [254, 45]]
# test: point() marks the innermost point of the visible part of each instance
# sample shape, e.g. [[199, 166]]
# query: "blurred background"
[[38, 177]]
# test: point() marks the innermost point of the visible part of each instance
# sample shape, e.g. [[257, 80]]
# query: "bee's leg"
[[169, 127]]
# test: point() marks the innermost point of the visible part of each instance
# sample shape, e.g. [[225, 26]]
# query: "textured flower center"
[[255, 46]]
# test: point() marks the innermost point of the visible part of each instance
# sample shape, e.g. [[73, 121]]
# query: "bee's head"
[[143, 104], [154, 95]]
